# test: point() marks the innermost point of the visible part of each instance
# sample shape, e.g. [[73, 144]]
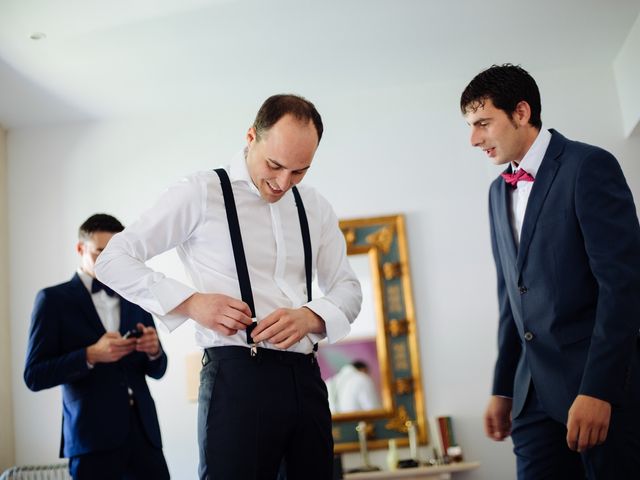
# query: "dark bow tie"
[[97, 285], [520, 176]]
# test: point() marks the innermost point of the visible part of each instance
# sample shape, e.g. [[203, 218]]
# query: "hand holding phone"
[[133, 333]]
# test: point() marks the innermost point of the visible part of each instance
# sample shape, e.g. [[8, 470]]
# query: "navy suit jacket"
[[96, 409], [569, 296]]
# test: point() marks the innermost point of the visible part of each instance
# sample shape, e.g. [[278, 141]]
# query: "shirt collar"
[[87, 279], [238, 171], [533, 158]]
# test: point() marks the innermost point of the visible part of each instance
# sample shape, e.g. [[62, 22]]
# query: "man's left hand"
[[286, 326], [148, 342], [588, 422]]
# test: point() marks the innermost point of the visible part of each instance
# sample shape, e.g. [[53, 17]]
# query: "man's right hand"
[[224, 314], [111, 347], [497, 418]]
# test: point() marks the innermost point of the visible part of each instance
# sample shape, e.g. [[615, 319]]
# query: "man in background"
[[566, 244], [251, 241], [100, 348]]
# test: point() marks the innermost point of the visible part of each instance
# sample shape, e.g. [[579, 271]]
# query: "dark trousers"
[[255, 412], [540, 445], [137, 459]]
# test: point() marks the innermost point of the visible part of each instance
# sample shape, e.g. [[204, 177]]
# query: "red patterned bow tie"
[[520, 176]]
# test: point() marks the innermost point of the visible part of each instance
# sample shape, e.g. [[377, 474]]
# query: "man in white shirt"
[[100, 348], [352, 389], [566, 244], [261, 399]]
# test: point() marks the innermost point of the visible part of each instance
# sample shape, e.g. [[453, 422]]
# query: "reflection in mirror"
[[353, 386]]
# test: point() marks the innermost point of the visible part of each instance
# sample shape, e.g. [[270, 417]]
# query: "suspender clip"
[[252, 344]]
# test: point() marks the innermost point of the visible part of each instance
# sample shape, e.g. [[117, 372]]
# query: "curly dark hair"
[[505, 85]]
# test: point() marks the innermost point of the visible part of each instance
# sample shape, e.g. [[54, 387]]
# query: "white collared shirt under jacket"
[[190, 216], [107, 308], [520, 196]]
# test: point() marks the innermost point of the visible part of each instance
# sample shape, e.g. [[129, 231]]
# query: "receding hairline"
[[300, 120]]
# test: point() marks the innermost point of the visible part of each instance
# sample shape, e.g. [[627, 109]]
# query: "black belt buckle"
[[252, 344]]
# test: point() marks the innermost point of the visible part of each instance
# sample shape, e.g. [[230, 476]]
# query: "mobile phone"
[[133, 333]]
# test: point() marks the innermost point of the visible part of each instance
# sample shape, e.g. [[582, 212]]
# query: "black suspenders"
[[306, 239], [238, 248]]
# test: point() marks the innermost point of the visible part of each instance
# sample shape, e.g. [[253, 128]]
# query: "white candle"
[[413, 440], [362, 438]]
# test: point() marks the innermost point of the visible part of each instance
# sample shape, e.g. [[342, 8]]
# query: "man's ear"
[[522, 113], [80, 248], [252, 136]]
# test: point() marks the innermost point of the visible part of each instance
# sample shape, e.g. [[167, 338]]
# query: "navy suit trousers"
[[540, 445], [137, 459]]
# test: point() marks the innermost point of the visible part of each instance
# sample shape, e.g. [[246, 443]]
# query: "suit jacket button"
[[522, 289], [528, 336]]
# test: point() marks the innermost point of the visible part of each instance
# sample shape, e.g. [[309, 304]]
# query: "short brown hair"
[[277, 106], [100, 222]]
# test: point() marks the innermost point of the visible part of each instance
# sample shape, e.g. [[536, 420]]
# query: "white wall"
[[399, 150], [627, 71]]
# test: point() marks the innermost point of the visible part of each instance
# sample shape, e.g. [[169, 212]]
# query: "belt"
[[262, 354]]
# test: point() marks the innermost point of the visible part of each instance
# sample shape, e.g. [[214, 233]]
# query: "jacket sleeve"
[[152, 367], [609, 225], [46, 366], [157, 367]]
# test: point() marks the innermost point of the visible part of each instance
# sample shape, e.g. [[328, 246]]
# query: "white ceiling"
[[106, 58]]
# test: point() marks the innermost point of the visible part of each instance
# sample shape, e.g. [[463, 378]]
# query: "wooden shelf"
[[443, 471]]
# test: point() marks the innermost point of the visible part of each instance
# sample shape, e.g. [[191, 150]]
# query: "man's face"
[[281, 157], [90, 249], [503, 138]]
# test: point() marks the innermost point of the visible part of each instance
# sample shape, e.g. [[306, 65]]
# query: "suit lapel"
[[84, 299], [127, 318], [503, 220], [541, 185]]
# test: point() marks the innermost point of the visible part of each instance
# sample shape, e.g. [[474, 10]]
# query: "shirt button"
[[522, 289], [528, 336]]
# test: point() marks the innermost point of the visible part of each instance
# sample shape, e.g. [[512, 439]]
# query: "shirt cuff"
[[89, 364], [169, 294], [156, 356], [336, 323]]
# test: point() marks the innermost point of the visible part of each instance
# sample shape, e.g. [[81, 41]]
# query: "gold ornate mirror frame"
[[383, 239]]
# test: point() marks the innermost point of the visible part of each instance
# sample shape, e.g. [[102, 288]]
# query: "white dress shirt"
[[191, 217], [351, 390], [520, 195], [108, 307]]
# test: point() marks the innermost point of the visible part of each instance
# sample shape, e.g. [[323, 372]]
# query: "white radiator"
[[59, 471]]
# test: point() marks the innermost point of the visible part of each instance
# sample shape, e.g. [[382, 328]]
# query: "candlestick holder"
[[364, 452]]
